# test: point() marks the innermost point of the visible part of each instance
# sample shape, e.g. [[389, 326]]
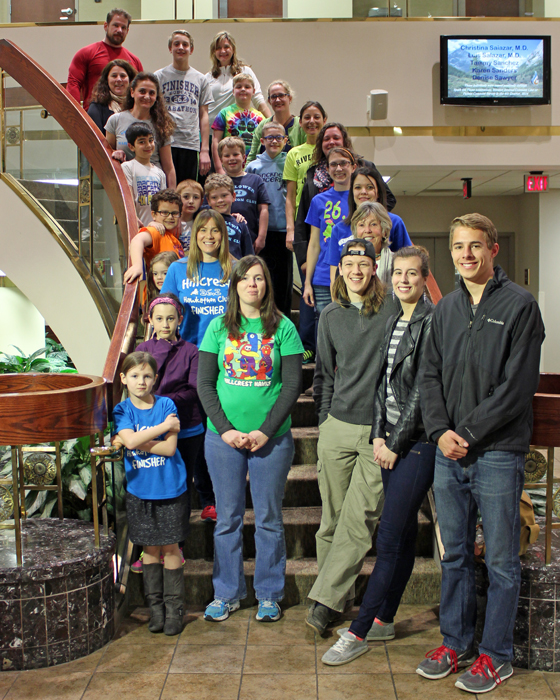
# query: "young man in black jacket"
[[478, 378]]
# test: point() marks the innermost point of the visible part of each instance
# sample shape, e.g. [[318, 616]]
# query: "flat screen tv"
[[495, 70]]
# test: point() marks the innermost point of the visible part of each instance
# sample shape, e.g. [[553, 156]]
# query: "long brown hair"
[[101, 93], [195, 254], [163, 122], [236, 63], [270, 314], [372, 299]]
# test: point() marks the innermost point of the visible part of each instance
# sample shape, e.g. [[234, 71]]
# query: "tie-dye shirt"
[[236, 121]]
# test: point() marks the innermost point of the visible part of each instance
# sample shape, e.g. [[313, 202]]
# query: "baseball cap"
[[365, 248]]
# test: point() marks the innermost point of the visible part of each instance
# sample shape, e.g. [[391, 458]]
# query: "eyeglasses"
[[166, 214], [278, 96], [274, 137], [339, 164]]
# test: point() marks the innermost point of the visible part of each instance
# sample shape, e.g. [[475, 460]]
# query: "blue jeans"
[[491, 482], [268, 470], [405, 487]]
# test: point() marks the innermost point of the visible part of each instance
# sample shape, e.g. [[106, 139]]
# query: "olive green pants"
[[352, 500]]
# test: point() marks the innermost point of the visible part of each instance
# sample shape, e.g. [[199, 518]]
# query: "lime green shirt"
[[250, 377], [297, 164]]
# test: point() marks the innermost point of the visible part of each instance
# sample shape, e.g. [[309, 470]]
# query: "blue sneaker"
[[269, 611], [220, 610]]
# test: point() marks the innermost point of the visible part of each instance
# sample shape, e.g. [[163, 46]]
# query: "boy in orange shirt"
[[148, 242]]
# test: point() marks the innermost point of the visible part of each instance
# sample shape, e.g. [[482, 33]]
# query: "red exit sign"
[[536, 183]]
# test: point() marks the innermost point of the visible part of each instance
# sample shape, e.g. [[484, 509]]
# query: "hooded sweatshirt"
[[270, 170]]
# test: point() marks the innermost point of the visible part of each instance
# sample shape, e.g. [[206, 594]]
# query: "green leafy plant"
[[56, 360]]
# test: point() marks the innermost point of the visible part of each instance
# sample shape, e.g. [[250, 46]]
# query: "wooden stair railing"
[[85, 134]]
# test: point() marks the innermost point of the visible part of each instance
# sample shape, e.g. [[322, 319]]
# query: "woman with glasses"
[[326, 210], [280, 96]]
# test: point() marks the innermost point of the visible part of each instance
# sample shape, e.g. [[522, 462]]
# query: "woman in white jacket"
[[226, 65]]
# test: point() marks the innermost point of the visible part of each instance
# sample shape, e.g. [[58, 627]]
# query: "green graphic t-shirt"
[[250, 377]]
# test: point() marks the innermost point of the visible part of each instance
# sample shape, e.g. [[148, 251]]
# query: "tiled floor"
[[241, 659]]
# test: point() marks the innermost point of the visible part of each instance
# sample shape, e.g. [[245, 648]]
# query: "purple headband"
[[164, 300]]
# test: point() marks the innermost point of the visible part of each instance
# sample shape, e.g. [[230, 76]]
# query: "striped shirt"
[[392, 410]]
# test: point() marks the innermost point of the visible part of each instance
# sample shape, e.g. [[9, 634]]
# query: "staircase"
[[302, 514]]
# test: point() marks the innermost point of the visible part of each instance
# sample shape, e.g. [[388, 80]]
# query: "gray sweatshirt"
[[271, 169], [349, 361]]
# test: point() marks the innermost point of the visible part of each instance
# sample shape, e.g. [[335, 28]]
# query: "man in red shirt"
[[88, 63]]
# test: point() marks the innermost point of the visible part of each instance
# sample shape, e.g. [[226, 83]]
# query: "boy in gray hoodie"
[[270, 166]]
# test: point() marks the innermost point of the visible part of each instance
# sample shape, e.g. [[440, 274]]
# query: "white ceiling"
[[446, 182]]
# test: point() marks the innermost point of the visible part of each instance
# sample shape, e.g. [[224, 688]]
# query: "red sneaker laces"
[[440, 652], [478, 668]]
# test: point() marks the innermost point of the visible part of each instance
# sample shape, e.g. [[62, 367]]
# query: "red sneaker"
[[209, 514]]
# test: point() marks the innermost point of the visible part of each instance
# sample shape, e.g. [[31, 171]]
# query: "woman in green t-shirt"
[[249, 378]]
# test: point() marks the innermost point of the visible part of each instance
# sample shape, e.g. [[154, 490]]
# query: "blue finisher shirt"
[[149, 476], [204, 297]]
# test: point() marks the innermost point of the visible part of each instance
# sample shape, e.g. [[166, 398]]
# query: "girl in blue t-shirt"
[[326, 210], [157, 500]]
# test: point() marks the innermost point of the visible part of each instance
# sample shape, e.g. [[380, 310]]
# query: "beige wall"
[[90, 11], [518, 215], [338, 63], [549, 211], [319, 8]]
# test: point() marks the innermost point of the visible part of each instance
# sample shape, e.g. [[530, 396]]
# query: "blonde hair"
[[184, 184], [243, 76], [231, 142], [215, 181], [287, 87], [367, 209], [195, 254], [235, 63]]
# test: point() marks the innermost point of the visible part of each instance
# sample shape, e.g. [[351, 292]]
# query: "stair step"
[[305, 441], [300, 527], [302, 489], [308, 372], [304, 414], [423, 587]]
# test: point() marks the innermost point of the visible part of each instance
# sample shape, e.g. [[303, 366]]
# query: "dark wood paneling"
[[41, 10], [254, 8], [492, 8], [47, 407]]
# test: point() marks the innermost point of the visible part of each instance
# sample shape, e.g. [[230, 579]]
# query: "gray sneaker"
[[442, 661], [484, 675], [377, 633], [345, 650], [320, 617]]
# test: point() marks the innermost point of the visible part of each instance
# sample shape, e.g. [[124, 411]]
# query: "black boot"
[[153, 593], [174, 596]]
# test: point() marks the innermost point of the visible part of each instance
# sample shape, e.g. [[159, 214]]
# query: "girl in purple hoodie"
[[177, 365]]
